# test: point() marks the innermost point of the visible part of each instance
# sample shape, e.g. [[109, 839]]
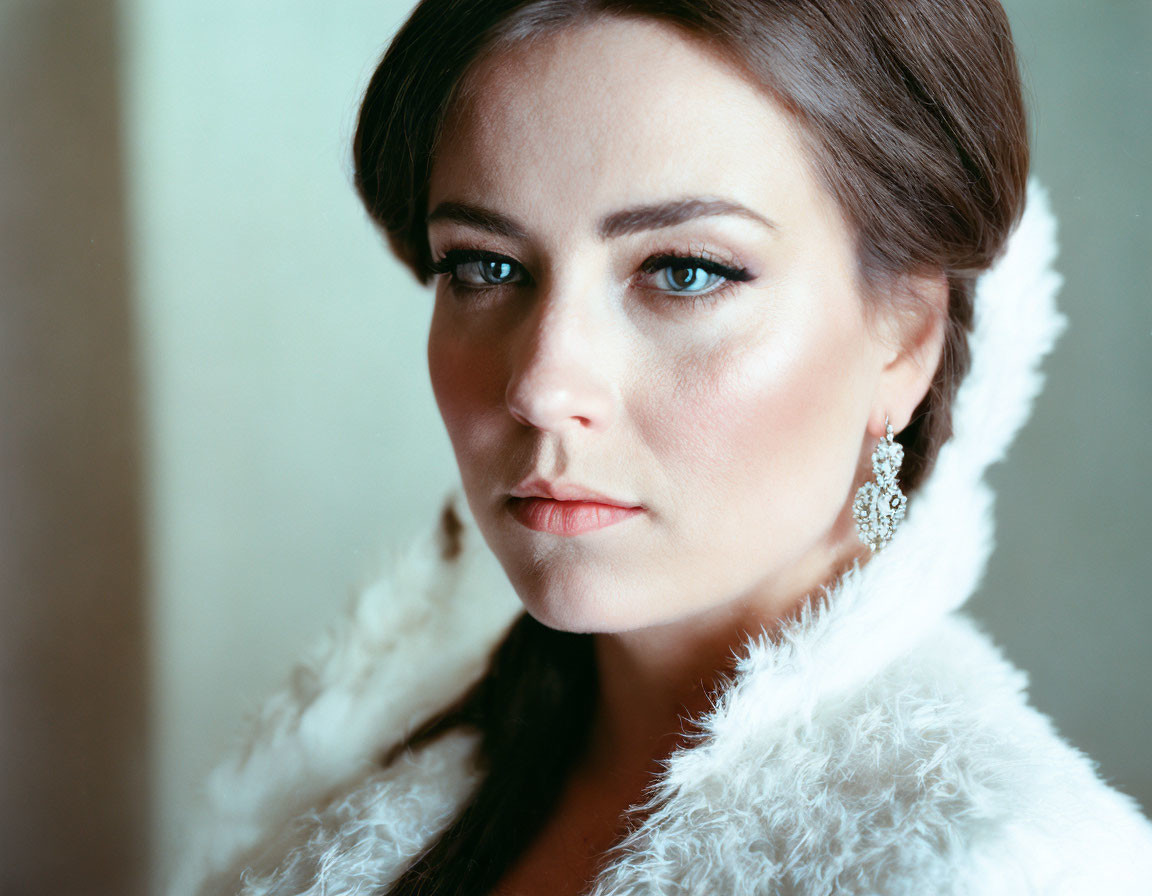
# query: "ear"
[[911, 345]]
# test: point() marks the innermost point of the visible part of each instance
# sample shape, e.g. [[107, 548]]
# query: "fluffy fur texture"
[[882, 745]]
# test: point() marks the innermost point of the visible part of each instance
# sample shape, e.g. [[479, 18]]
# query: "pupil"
[[684, 276], [497, 270]]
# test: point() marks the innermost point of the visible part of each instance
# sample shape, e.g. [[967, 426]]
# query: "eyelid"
[[454, 258], [702, 260], [731, 273]]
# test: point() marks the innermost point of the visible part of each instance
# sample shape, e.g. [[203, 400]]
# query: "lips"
[[567, 508], [537, 487], [567, 517]]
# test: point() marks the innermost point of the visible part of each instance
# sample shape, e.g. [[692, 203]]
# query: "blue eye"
[[474, 268], [492, 271], [675, 275], [687, 278], [691, 275]]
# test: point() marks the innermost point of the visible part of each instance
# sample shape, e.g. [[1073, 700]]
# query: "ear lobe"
[[914, 345]]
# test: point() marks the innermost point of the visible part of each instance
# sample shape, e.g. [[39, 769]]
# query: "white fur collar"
[[421, 634]]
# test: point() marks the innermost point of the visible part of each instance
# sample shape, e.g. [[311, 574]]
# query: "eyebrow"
[[626, 221]]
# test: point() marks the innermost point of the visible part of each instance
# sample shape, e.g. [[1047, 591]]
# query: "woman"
[[722, 384]]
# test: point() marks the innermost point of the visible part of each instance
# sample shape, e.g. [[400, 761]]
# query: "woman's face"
[[648, 297]]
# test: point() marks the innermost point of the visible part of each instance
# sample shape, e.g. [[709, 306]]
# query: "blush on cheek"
[[817, 417], [444, 373], [751, 414], [468, 382], [765, 430], [460, 375]]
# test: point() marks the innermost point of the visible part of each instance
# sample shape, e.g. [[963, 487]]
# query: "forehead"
[[601, 115]]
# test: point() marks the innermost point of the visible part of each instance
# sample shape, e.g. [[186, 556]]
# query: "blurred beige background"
[[215, 417]]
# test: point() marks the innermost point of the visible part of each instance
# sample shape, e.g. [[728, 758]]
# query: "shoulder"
[[933, 776], [1019, 808], [363, 834], [407, 645]]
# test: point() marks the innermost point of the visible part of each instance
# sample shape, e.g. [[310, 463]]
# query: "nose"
[[562, 375]]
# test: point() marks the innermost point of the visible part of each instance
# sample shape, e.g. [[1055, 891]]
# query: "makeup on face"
[[647, 343], [567, 518]]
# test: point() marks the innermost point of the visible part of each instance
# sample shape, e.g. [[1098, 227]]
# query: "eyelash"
[[454, 258]]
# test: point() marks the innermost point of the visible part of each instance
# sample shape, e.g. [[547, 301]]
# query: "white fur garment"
[[882, 745]]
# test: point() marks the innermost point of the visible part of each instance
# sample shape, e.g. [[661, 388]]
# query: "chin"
[[582, 604]]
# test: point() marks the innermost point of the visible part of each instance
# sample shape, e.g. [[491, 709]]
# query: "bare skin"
[[739, 412], [569, 851]]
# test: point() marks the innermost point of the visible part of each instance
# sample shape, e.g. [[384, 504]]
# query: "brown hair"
[[914, 121]]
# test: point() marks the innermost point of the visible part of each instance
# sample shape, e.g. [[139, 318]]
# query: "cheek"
[[462, 377], [768, 430]]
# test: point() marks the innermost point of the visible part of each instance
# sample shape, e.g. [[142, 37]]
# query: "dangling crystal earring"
[[879, 504]]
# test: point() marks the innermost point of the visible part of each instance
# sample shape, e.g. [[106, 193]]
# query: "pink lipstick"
[[567, 517]]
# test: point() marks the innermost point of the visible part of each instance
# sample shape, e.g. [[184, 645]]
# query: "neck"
[[654, 678]]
